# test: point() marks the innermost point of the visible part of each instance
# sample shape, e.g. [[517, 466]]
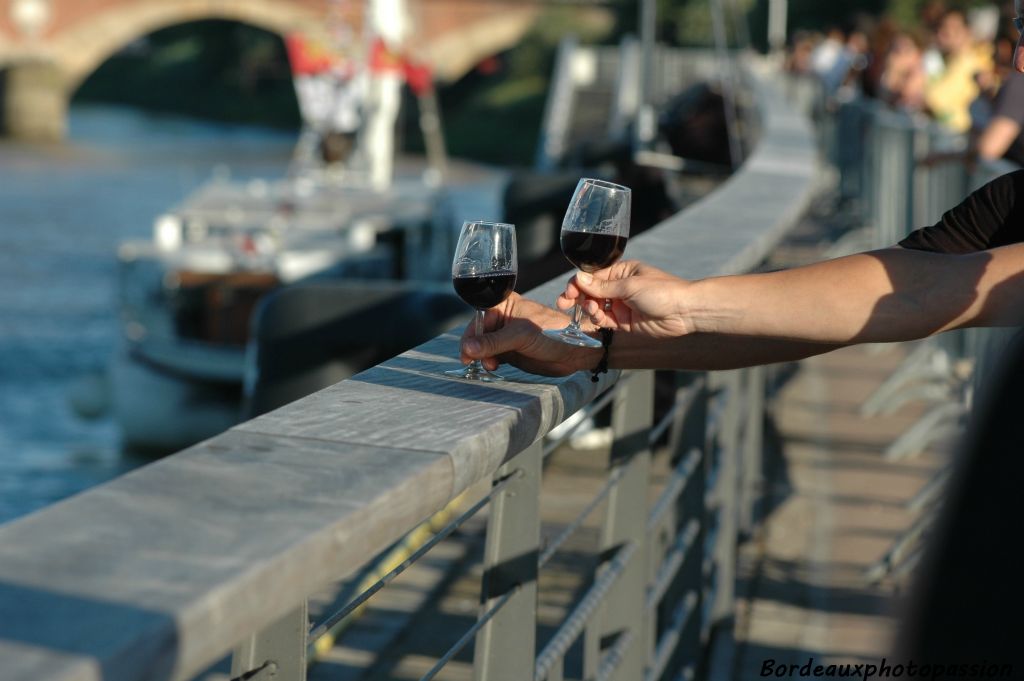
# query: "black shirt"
[[992, 216]]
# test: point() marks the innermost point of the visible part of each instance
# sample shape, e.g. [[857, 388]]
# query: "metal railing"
[[902, 172], [163, 571]]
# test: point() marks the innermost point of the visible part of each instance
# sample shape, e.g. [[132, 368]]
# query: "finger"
[[564, 303], [490, 363], [600, 288], [621, 270], [489, 345], [603, 317]]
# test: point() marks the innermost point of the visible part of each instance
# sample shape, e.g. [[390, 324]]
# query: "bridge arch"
[[38, 76], [79, 50]]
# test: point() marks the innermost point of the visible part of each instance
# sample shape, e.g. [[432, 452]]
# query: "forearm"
[[889, 295], [997, 137], [705, 352]]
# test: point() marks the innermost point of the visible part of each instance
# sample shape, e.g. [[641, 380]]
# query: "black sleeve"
[[992, 216]]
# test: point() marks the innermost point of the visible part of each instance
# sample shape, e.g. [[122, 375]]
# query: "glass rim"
[[488, 223], [604, 183]]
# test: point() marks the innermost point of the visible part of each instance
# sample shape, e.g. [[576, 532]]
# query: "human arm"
[[745, 320], [887, 295], [997, 137], [513, 335]]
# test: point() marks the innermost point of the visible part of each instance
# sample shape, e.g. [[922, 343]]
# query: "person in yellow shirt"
[[949, 94]]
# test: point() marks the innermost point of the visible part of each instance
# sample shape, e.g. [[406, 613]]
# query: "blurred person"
[[949, 95], [798, 59], [838, 58], [931, 14], [826, 54], [878, 39], [998, 134], [903, 81]]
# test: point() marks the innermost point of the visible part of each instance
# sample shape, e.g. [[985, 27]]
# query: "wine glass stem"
[[577, 316], [478, 330]]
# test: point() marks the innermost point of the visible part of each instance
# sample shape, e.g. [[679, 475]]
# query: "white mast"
[[389, 22]]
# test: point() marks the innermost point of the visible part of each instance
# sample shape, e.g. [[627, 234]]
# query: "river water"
[[63, 211]]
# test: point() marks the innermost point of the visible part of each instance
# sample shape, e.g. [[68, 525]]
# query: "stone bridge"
[[49, 47]]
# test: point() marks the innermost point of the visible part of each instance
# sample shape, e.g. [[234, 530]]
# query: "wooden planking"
[[157, 573], [406, 402]]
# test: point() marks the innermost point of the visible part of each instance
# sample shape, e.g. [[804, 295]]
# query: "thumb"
[[602, 288]]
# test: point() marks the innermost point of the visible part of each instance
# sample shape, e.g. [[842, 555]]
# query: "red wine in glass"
[[484, 291], [592, 251], [483, 273], [594, 235]]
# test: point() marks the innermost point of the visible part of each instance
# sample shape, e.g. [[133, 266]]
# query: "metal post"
[[777, 18], [751, 479], [506, 645], [725, 497], [690, 504], [278, 652], [623, 613], [646, 128], [725, 68]]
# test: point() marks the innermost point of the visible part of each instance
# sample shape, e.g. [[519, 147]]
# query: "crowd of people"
[[953, 65]]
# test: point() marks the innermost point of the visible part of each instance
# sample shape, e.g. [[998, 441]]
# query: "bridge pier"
[[34, 97]]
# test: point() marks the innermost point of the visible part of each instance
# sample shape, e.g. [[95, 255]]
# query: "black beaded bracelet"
[[602, 366]]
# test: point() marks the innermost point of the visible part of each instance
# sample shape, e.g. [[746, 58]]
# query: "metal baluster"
[[626, 521], [277, 652], [506, 645], [725, 496], [751, 479]]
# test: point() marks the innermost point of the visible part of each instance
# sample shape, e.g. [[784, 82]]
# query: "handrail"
[[160, 572]]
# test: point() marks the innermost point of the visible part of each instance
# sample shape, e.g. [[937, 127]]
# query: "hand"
[[512, 334], [643, 299]]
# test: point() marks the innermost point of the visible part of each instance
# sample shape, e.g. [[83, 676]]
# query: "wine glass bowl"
[[594, 235], [484, 271]]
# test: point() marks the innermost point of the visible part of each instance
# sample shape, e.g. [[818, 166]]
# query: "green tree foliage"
[[906, 12], [220, 70]]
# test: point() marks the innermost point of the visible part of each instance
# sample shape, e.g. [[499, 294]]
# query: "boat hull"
[[160, 411]]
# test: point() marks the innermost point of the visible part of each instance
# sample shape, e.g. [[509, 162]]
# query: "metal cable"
[[594, 407], [680, 479], [573, 625], [461, 643], [683, 403], [673, 561], [442, 534], [613, 657], [670, 639], [564, 535]]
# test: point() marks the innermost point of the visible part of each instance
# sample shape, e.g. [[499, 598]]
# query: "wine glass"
[[484, 273], [594, 234]]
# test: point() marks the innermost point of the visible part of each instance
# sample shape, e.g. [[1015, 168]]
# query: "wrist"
[[696, 306], [586, 359]]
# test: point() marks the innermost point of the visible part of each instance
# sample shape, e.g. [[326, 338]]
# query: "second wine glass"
[[484, 273], [594, 234]]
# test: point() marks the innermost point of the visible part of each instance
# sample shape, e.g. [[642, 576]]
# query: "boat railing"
[[161, 572]]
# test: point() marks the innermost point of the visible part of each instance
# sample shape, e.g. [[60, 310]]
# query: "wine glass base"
[[472, 373], [573, 337]]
